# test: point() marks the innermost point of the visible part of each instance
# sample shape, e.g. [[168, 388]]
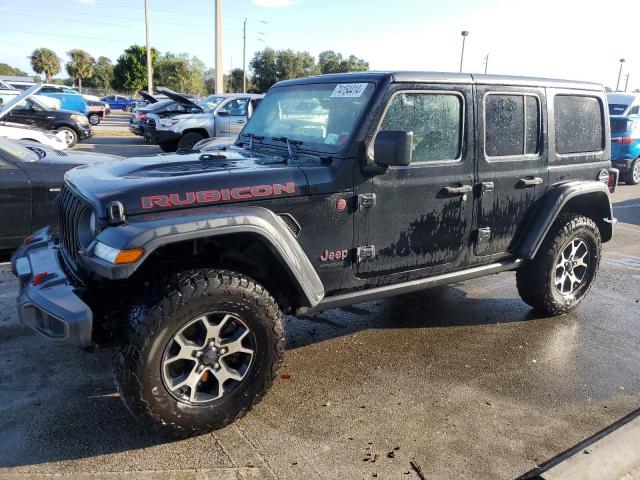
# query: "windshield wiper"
[[252, 137], [289, 143]]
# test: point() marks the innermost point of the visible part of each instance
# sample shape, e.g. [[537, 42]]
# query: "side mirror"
[[223, 112], [393, 147]]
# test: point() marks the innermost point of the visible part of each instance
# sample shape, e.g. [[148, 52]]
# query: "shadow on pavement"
[[629, 210]]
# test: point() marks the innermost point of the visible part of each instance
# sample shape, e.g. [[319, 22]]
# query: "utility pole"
[[149, 65], [219, 75], [486, 63], [626, 83], [619, 74], [244, 58], [464, 34]]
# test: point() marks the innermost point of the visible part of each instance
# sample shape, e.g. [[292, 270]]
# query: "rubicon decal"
[[216, 196]]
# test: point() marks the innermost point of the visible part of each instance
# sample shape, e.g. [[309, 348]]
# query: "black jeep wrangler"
[[340, 189]]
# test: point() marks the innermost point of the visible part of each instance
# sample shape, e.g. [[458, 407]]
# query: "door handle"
[[240, 121], [529, 182], [457, 191]]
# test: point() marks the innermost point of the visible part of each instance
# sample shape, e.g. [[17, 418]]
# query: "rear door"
[[238, 113], [512, 163], [417, 219], [15, 198]]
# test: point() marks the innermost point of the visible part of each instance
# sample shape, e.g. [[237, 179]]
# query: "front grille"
[[70, 208]]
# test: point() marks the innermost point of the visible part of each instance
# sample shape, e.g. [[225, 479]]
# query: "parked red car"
[[97, 111]]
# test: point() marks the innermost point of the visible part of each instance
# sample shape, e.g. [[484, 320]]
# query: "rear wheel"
[[94, 119], [633, 177], [201, 354], [563, 270], [70, 135], [128, 108], [188, 140]]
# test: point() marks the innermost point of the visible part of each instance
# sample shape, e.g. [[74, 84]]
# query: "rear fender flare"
[[155, 230], [571, 196]]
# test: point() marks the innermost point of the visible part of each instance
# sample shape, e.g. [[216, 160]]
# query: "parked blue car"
[[69, 98], [119, 102], [625, 146]]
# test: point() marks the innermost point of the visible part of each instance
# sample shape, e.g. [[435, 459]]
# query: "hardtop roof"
[[443, 77]]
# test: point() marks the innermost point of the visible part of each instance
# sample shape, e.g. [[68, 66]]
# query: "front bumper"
[[135, 128], [163, 136], [49, 305], [84, 131], [150, 133]]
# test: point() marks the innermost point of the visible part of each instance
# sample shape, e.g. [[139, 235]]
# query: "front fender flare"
[[556, 200], [152, 231]]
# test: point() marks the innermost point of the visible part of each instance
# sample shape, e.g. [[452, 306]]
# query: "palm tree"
[[44, 60], [80, 66]]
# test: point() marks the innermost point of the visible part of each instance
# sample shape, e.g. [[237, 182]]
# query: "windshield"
[[321, 116], [17, 151], [210, 103]]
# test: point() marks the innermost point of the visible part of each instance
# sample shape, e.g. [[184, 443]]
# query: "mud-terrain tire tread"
[[145, 319], [534, 280]]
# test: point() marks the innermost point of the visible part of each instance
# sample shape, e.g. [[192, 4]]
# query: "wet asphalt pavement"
[[467, 381]]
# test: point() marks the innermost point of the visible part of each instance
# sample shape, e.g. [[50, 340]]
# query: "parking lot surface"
[[465, 381]]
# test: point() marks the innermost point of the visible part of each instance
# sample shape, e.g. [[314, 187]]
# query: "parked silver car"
[[214, 116]]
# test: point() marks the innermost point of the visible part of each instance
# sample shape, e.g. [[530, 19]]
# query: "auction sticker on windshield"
[[348, 90]]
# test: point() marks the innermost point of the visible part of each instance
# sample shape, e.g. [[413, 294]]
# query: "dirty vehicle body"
[[340, 189], [625, 146], [214, 116]]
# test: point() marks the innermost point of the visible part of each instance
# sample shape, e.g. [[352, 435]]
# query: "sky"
[[571, 39]]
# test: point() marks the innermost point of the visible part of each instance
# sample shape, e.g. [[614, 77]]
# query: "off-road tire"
[[152, 324], [72, 135], [169, 147], [188, 140], [535, 279], [634, 171]]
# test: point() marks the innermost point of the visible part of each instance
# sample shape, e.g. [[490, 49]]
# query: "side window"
[[512, 125], [634, 110], [435, 120], [579, 124], [238, 107]]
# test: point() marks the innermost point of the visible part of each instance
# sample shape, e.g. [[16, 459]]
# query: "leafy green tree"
[[130, 70], [210, 80], [181, 73], [263, 65], [80, 66], [332, 62], [270, 66], [102, 74], [234, 81], [44, 60], [9, 70]]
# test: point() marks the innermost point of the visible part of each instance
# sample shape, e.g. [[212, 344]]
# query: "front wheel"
[[70, 136], [201, 354], [563, 270], [94, 119], [188, 140], [168, 147], [633, 177]]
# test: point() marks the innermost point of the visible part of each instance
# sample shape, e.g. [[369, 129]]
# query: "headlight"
[[168, 122], [87, 224], [92, 224], [115, 256], [81, 119]]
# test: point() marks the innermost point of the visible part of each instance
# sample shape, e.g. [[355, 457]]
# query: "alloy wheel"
[[571, 267], [208, 358], [636, 171]]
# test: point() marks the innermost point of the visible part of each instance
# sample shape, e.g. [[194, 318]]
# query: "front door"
[[511, 163], [418, 217], [15, 198]]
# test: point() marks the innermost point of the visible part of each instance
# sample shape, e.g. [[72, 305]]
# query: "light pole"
[[464, 34], [626, 83], [244, 57], [486, 63], [218, 60], [619, 74], [149, 65]]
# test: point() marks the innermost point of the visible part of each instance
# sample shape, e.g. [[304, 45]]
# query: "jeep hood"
[[171, 182]]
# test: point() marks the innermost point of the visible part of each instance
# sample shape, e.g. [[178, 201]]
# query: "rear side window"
[[620, 126], [579, 124], [435, 120], [512, 125], [616, 109]]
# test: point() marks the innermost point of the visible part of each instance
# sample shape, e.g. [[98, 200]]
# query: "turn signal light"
[[129, 256], [38, 278]]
